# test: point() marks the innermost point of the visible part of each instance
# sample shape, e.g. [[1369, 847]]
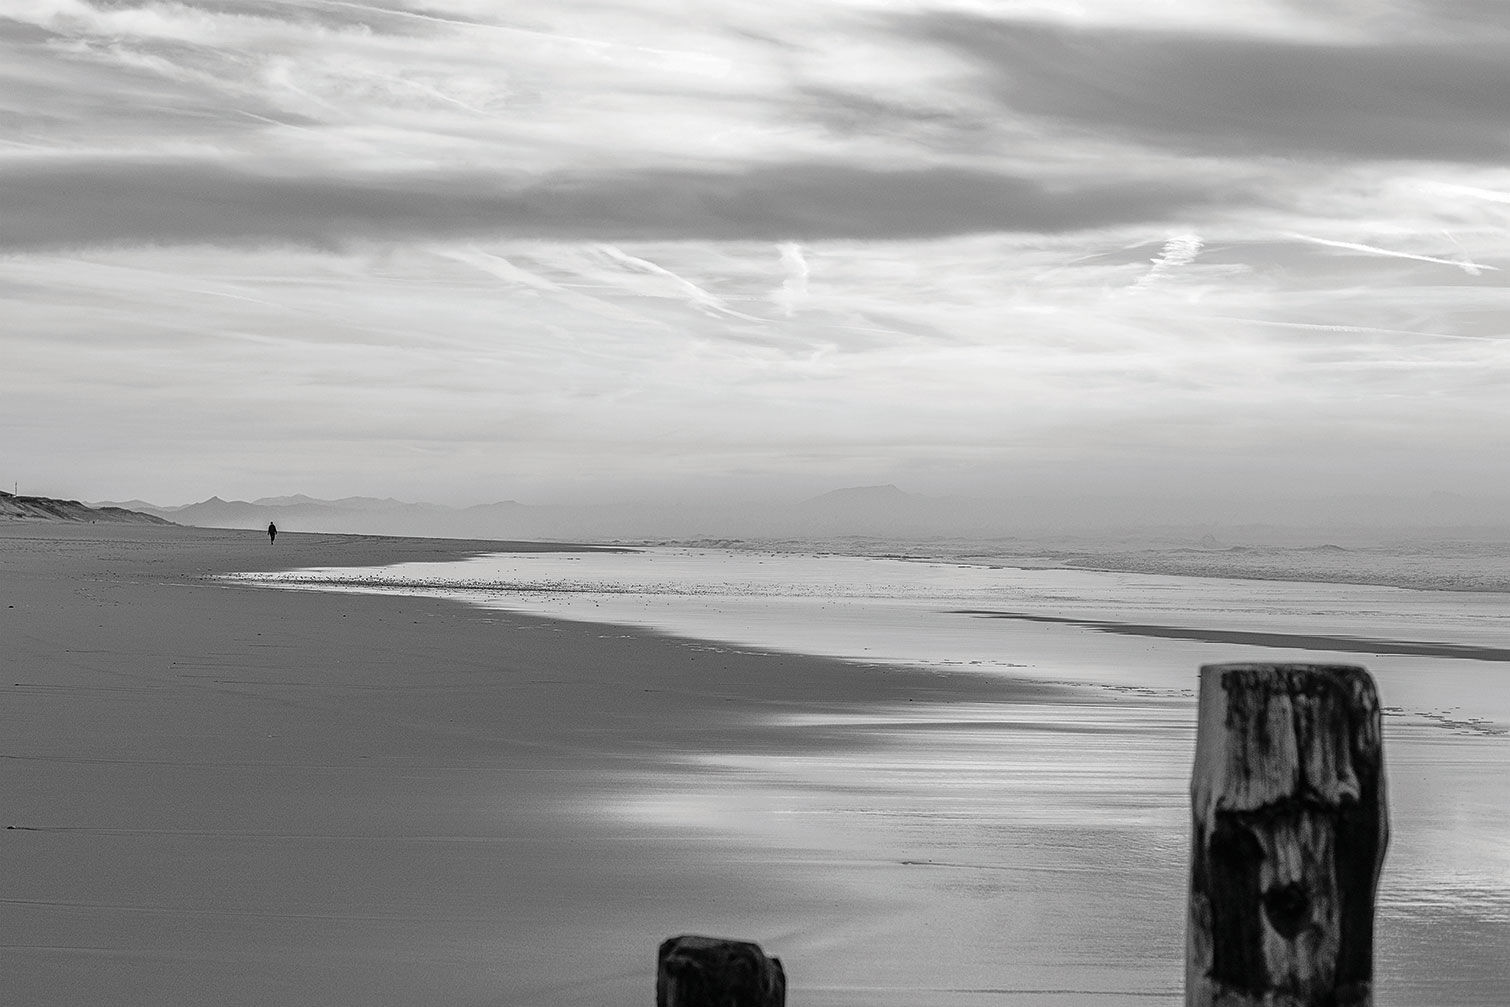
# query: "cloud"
[[664, 283], [1471, 268], [1207, 93], [127, 16], [48, 203], [374, 224], [793, 290], [523, 353], [1180, 250]]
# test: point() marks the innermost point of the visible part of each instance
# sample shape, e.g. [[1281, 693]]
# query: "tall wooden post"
[[713, 972], [1290, 826]]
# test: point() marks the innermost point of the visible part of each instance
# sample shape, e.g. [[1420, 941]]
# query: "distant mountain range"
[[49, 509], [856, 510], [868, 511]]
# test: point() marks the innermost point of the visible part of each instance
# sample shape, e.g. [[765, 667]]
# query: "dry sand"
[[223, 794]]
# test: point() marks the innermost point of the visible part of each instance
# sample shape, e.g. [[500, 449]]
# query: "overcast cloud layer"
[[462, 251]]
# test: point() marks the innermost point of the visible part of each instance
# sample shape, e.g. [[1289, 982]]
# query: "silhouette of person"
[[272, 532]]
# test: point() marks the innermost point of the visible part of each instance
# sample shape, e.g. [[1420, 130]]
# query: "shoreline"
[[235, 794], [1212, 564], [226, 793]]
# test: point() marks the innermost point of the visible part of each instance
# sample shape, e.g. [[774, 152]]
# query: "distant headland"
[[14, 507]]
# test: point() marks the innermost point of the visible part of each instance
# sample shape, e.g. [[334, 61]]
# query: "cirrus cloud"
[[800, 238]]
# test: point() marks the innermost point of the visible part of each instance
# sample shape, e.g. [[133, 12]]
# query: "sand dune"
[[48, 509]]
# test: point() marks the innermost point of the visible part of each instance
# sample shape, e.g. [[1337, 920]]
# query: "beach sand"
[[221, 793], [224, 794]]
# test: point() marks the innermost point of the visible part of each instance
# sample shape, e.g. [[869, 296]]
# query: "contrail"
[[586, 43], [503, 269], [693, 293], [1471, 268], [500, 267], [274, 122], [1358, 329], [1492, 195]]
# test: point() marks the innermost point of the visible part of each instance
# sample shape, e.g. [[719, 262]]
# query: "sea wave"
[[1438, 565]]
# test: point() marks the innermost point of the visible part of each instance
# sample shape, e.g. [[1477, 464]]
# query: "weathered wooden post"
[[1288, 809], [712, 972]]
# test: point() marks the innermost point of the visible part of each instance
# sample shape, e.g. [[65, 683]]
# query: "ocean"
[[1003, 803]]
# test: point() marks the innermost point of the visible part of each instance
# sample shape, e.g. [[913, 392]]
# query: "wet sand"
[[217, 793], [220, 793], [1249, 638]]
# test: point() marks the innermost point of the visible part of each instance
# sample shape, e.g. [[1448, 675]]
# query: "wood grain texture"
[[1289, 827]]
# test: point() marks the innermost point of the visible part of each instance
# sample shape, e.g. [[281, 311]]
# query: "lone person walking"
[[272, 532]]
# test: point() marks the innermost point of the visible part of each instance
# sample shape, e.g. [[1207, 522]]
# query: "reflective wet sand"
[[221, 793]]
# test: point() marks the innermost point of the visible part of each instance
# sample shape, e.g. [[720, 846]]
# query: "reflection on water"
[[1024, 845], [1057, 830], [1021, 853]]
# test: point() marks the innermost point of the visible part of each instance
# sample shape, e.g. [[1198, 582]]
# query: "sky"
[[571, 251]]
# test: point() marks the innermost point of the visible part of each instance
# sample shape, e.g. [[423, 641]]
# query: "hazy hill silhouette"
[[13, 507], [880, 511]]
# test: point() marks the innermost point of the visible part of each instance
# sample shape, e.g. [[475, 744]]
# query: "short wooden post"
[[712, 972], [1290, 826]]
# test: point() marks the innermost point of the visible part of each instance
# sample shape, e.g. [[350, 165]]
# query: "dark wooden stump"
[[711, 972], [1289, 831]]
